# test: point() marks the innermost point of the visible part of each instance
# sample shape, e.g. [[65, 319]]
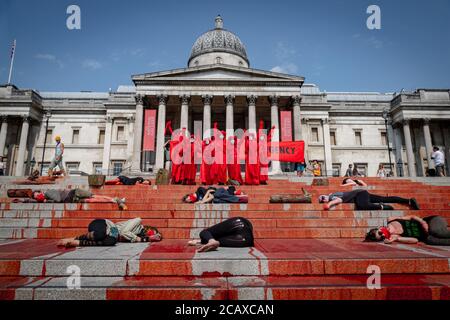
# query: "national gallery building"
[[104, 131]]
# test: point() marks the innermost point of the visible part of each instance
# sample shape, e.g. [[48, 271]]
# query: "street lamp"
[[32, 164], [48, 115], [385, 116]]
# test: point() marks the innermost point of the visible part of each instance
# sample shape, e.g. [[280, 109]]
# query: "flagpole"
[[12, 61]]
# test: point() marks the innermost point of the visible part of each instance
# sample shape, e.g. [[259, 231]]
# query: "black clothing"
[[201, 191], [412, 229], [234, 233], [129, 181], [438, 233], [97, 235], [366, 201]]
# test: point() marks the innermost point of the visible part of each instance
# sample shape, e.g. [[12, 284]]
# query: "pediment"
[[217, 73]]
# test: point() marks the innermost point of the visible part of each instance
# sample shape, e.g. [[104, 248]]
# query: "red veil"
[[252, 170]]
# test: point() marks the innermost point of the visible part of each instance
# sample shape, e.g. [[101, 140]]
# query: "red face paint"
[[193, 197], [385, 232]]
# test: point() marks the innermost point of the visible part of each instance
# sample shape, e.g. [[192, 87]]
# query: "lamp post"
[[385, 116], [32, 164], [48, 115]]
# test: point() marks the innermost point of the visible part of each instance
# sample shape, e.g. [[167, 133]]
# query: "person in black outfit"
[[123, 180], [364, 200], [233, 233], [101, 232], [432, 230]]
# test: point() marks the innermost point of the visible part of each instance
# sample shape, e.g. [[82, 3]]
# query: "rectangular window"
[[383, 138], [72, 166], [45, 167], [314, 134], [333, 138], [101, 136], [49, 135], [362, 169], [75, 136], [117, 168], [336, 169], [97, 168], [358, 140], [120, 133]]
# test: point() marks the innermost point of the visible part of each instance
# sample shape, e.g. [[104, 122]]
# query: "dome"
[[218, 46]]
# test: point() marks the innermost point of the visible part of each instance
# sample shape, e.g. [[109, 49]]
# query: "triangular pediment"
[[217, 73]]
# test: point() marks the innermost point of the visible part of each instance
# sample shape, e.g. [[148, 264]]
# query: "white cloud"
[[49, 57], [285, 55], [91, 64], [377, 44], [283, 52], [290, 68]]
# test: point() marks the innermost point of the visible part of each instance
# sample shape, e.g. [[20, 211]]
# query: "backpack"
[[291, 198], [96, 180], [320, 182], [162, 177]]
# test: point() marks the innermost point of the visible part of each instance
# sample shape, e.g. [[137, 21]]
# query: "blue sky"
[[327, 42]]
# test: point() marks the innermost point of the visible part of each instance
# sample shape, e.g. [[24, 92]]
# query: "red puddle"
[[31, 248]]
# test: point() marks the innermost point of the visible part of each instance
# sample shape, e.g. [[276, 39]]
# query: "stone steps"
[[301, 251]]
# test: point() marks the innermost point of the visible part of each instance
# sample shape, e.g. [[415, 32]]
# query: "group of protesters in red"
[[222, 163]]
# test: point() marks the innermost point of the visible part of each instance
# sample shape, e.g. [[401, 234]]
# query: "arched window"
[[241, 63], [218, 60], [196, 63]]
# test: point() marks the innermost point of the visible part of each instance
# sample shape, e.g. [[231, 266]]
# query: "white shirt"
[[438, 157]]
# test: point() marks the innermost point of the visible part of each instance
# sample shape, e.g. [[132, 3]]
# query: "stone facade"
[[102, 132]]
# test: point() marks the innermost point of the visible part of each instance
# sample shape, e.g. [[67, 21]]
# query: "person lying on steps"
[[71, 196], [123, 180], [432, 230], [103, 232], [353, 182], [364, 200], [216, 195], [232, 233]]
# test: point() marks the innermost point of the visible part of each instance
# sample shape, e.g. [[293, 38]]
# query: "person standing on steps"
[[364, 200], [349, 171], [439, 161], [58, 159]]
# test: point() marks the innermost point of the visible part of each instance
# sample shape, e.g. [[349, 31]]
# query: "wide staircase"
[[301, 251]]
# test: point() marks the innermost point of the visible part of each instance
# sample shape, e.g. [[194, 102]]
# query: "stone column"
[[327, 148], [184, 111], [297, 118], [207, 99], [276, 168], [251, 100], [137, 143], [130, 139], [160, 137], [229, 99], [3, 133], [305, 136], [107, 145], [409, 149], [22, 146], [428, 143]]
